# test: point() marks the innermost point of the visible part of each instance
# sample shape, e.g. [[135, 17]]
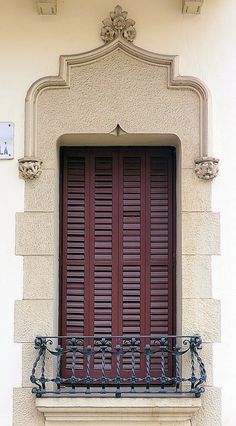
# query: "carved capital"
[[30, 168], [118, 25], [206, 167]]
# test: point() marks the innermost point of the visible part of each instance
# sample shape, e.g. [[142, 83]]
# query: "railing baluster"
[[193, 378], [163, 345], [133, 362], [73, 365], [88, 365], [118, 392], [33, 378], [177, 367], [58, 350], [148, 366], [196, 345], [103, 349], [43, 379]]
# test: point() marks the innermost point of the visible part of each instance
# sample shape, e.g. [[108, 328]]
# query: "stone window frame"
[[37, 226]]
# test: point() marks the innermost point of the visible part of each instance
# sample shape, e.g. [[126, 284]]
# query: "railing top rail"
[[152, 336]]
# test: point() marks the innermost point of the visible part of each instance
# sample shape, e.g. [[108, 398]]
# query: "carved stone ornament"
[[118, 25], [206, 168], [118, 131], [192, 6], [30, 168], [47, 7]]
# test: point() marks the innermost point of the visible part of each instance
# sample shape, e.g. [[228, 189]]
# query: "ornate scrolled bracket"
[[30, 168], [206, 168], [118, 25]]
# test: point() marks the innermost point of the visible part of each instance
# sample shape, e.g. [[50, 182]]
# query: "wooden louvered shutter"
[[73, 246], [146, 244], [117, 241]]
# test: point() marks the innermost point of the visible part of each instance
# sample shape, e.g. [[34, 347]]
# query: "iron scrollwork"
[[118, 365]]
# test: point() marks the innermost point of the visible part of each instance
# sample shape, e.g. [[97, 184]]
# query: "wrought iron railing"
[[142, 365]]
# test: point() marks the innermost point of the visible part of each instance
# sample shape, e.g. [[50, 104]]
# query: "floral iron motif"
[[118, 25]]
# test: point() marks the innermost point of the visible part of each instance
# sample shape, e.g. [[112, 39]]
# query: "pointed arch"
[[62, 80]]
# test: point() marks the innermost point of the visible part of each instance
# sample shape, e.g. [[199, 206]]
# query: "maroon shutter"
[[161, 244], [146, 242], [73, 250], [117, 241]]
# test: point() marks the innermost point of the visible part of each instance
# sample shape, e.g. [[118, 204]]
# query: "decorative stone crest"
[[206, 167], [30, 168], [192, 6], [118, 25]]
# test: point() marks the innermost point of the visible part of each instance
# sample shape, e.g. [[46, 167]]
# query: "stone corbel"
[[192, 6], [30, 168], [47, 7], [206, 168]]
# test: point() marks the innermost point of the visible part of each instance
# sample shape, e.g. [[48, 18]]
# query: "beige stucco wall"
[[30, 47]]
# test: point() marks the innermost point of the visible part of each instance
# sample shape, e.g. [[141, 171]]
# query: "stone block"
[[38, 277], [32, 318], [210, 412], [25, 412], [34, 234], [196, 277], [40, 193], [202, 316], [196, 193], [201, 233]]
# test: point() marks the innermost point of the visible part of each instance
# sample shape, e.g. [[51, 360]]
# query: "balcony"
[[138, 366]]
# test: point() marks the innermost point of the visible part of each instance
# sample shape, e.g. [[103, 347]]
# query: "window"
[[117, 242]]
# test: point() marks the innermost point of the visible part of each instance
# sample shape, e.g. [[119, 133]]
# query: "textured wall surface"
[[118, 89]]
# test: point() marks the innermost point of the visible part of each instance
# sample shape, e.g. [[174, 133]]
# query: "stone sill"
[[124, 411]]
